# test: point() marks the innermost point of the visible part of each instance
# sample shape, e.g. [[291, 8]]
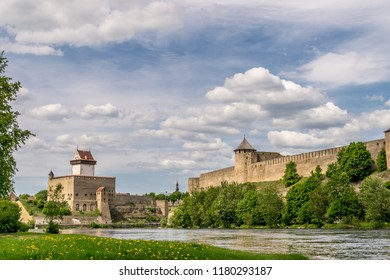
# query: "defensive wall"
[[253, 166]]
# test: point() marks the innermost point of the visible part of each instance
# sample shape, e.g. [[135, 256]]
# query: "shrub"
[[53, 228]]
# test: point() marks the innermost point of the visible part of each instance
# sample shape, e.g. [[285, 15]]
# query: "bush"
[[53, 228], [9, 216]]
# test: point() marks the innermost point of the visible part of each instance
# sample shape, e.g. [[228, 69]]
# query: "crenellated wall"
[[252, 166]]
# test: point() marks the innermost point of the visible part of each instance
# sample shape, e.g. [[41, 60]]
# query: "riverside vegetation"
[[347, 195]]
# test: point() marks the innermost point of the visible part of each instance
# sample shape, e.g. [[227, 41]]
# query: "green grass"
[[38, 246]]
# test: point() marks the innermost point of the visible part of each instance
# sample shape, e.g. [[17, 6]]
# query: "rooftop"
[[245, 146]]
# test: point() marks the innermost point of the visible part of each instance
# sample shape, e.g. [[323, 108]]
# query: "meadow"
[[39, 246]]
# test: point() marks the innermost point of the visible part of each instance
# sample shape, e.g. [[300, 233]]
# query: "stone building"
[[87, 193], [255, 166]]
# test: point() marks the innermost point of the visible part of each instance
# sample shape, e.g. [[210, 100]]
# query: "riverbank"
[[40, 246]]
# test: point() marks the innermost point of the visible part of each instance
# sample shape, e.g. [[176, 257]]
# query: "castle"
[[253, 166], [85, 192]]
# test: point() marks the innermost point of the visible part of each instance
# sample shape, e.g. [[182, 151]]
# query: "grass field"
[[38, 246]]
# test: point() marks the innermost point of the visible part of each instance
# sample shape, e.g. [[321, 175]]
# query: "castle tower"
[[83, 163], [387, 140], [243, 156]]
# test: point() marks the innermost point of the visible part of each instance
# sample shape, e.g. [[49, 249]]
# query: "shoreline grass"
[[39, 246]]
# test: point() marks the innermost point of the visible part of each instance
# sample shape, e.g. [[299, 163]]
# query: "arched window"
[[77, 207], [84, 207]]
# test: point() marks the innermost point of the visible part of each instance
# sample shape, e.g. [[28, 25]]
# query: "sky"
[[160, 91]]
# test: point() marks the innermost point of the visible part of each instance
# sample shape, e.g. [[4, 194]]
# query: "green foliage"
[[53, 228], [11, 136], [298, 197], [9, 216], [56, 207], [230, 205], [271, 206], [375, 198], [291, 175], [381, 161], [355, 160]]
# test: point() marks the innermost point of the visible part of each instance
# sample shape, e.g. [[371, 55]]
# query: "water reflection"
[[315, 243]]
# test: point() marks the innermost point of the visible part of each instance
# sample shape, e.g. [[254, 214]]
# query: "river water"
[[329, 244]]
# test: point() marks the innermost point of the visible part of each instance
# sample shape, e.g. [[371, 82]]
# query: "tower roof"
[[387, 130], [83, 157], [245, 146]]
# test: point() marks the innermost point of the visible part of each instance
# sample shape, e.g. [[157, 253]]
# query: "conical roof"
[[245, 146]]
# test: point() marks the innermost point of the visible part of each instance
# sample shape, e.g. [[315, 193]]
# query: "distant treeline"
[[319, 199]]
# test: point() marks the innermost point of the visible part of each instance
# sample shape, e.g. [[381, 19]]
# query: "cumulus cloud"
[[81, 23], [107, 110], [270, 92], [50, 112], [387, 103]]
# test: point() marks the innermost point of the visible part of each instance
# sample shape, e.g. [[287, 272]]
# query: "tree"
[[291, 175], [297, 200], [11, 136], [9, 216], [375, 198], [381, 162], [355, 160], [271, 205], [55, 208]]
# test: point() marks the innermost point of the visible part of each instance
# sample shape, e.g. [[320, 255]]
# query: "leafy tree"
[[248, 209], [375, 198], [291, 175], [297, 197], [9, 216], [381, 161], [332, 169], [11, 136], [55, 208], [271, 205], [343, 203], [224, 208], [355, 160]]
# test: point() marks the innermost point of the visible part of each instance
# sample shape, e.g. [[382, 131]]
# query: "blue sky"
[[164, 90]]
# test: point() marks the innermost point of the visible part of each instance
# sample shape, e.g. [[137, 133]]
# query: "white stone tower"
[[83, 163], [243, 159]]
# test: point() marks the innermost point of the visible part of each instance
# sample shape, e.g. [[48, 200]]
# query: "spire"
[[177, 186], [245, 146]]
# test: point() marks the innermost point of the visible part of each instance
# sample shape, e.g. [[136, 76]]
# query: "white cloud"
[[387, 103], [322, 117], [50, 112], [107, 110], [271, 93], [81, 23], [347, 68]]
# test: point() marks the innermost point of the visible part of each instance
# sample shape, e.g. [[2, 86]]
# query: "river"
[[328, 244]]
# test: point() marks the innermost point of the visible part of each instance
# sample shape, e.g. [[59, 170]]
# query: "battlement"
[[253, 166]]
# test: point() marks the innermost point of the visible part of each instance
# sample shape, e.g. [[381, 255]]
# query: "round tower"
[[243, 156], [387, 147]]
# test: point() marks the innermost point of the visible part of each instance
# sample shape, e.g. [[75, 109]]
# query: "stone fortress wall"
[[253, 166]]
